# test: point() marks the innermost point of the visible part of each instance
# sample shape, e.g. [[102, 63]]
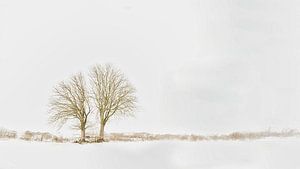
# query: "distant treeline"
[[231, 136], [131, 137], [31, 136]]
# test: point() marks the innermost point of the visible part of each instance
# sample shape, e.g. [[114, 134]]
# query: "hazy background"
[[199, 66]]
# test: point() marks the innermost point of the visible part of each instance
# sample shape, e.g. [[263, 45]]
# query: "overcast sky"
[[199, 66]]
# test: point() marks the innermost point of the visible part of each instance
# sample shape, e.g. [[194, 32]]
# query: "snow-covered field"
[[273, 153]]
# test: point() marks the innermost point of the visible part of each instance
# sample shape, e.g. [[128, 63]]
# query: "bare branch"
[[112, 93], [71, 102]]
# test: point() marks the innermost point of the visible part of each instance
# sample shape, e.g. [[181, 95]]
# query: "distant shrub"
[[27, 136], [59, 139], [9, 134], [237, 136], [42, 136]]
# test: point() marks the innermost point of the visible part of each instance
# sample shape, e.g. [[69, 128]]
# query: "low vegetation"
[[7, 134], [42, 136], [231, 136], [138, 137]]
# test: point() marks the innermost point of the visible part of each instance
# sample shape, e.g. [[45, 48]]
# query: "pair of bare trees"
[[108, 94]]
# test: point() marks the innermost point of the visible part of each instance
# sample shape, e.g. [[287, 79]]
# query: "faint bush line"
[[7, 134], [143, 136], [230, 136]]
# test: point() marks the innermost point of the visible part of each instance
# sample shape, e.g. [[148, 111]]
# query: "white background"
[[199, 66]]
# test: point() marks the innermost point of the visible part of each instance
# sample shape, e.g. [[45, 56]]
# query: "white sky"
[[200, 66]]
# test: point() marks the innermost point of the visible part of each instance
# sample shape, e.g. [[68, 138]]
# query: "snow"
[[259, 154]]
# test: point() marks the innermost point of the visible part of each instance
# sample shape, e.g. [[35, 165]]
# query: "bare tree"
[[71, 102], [112, 93]]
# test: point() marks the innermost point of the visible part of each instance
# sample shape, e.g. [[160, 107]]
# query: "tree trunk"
[[82, 136], [101, 135]]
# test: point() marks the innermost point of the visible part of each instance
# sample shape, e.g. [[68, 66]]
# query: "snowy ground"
[[259, 154]]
